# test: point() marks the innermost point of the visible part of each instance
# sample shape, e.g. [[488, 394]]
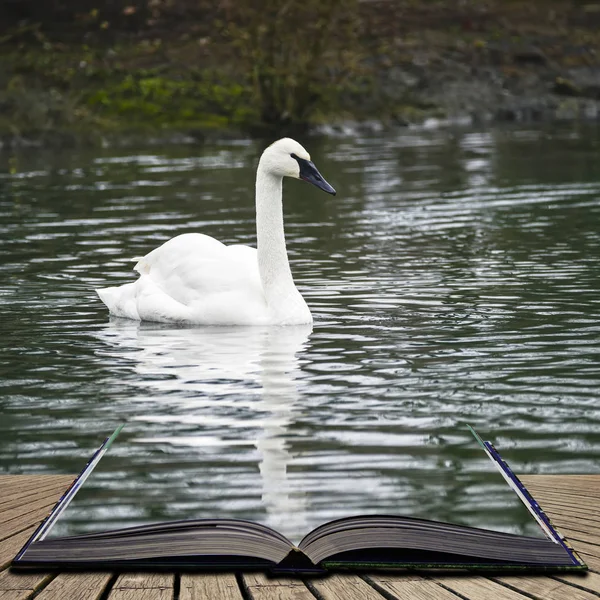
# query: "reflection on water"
[[187, 366], [454, 279]]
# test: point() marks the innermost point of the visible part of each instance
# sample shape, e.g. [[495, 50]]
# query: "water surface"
[[454, 279]]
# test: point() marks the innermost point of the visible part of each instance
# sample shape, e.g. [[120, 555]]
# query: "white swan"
[[196, 279]]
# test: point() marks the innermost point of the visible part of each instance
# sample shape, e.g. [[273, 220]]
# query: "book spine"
[[530, 502], [64, 501]]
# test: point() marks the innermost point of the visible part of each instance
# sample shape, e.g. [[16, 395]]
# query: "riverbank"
[[391, 63]]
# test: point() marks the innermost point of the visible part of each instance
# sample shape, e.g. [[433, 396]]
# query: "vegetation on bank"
[[154, 67]]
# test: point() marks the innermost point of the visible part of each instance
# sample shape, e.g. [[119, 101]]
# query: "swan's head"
[[287, 158]]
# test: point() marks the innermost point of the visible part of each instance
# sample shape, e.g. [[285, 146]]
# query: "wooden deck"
[[573, 502]]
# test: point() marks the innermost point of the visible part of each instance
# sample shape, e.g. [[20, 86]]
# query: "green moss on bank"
[[87, 93], [396, 62]]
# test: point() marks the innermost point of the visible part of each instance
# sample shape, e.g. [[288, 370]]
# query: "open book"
[[373, 541]]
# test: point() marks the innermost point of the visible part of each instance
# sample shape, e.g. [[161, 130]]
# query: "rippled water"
[[454, 279]]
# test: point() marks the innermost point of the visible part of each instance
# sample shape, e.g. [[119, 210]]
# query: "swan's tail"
[[120, 301]]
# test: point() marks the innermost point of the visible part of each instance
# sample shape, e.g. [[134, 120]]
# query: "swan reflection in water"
[[223, 383]]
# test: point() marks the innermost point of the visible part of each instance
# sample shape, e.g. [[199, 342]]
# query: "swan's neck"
[[273, 261]]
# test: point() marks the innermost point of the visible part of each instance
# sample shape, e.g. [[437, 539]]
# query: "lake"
[[454, 279]]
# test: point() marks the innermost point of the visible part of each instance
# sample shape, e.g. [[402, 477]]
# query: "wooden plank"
[[592, 562], [25, 509], [344, 587], [14, 533], [583, 483], [587, 525], [578, 539], [584, 547], [561, 504], [590, 530], [10, 493], [561, 494], [24, 522], [18, 498], [580, 482], [8, 482], [473, 587], [82, 586], [572, 488], [261, 587], [585, 529], [209, 587], [589, 581], [279, 593], [50, 496], [563, 497], [545, 588], [13, 538], [143, 586], [18, 587], [10, 546], [15, 483], [410, 587], [569, 509], [60, 479], [553, 478], [566, 500], [583, 515], [262, 580]]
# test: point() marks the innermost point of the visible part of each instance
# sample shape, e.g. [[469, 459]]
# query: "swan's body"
[[196, 279]]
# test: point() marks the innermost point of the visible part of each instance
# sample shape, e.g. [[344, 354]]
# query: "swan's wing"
[[193, 267], [196, 279], [177, 249], [142, 300]]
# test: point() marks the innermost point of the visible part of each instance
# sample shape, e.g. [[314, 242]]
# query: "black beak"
[[310, 173]]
